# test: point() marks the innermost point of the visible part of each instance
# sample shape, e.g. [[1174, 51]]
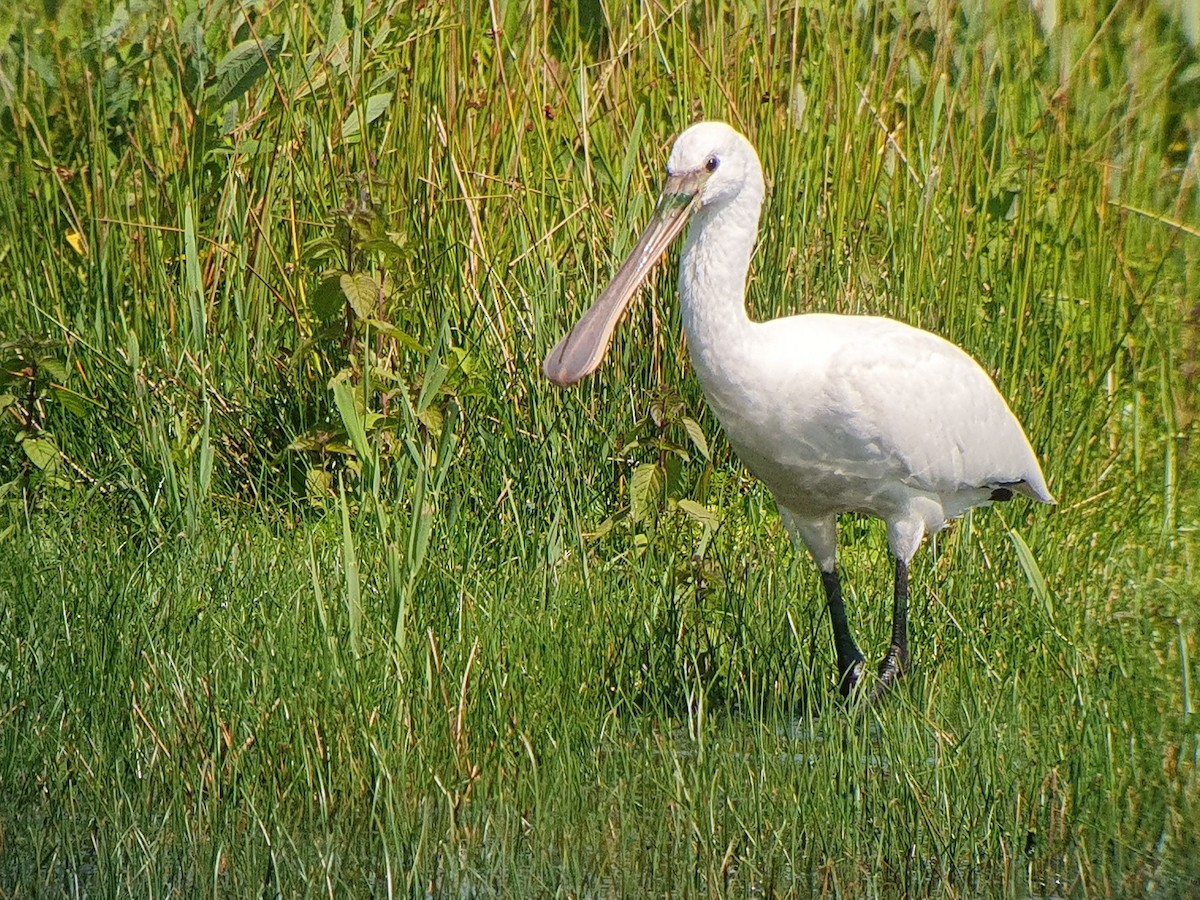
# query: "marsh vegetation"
[[311, 585]]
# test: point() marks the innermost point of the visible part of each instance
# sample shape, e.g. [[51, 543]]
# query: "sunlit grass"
[[312, 585]]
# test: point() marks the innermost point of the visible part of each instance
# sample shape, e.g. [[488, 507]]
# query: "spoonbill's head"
[[714, 163], [710, 166]]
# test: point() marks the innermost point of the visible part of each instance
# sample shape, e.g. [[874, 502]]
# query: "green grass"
[[310, 585]]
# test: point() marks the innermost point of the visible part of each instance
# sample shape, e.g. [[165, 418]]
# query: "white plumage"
[[833, 413]]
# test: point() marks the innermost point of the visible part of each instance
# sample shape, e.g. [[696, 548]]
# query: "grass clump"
[[312, 585]]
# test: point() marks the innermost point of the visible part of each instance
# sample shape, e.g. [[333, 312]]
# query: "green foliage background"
[[313, 585]]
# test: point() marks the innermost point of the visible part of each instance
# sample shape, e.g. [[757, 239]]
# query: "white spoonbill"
[[834, 413]]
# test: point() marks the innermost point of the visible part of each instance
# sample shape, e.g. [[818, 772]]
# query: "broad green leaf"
[[603, 528], [435, 376], [696, 433], [464, 360], [386, 246], [40, 66], [401, 337], [56, 367], [318, 486], [431, 418], [700, 513], [310, 440], [118, 24], [328, 300], [42, 453], [363, 293], [646, 491], [76, 404], [360, 118], [12, 368], [352, 419], [337, 30], [242, 66]]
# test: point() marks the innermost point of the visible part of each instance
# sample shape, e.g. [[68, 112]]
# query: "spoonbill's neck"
[[712, 283]]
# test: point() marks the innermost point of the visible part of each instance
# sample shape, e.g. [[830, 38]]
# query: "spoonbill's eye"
[[712, 164]]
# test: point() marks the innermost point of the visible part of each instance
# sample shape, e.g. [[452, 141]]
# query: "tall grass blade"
[[352, 578], [1033, 573]]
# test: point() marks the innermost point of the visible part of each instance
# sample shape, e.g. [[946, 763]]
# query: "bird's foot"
[[892, 669], [851, 675]]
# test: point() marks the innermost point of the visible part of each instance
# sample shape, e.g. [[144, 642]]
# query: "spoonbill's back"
[[833, 413]]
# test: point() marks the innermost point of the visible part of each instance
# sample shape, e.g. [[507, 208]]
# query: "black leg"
[[849, 657], [895, 663]]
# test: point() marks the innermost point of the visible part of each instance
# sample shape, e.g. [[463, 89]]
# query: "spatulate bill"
[[582, 349]]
